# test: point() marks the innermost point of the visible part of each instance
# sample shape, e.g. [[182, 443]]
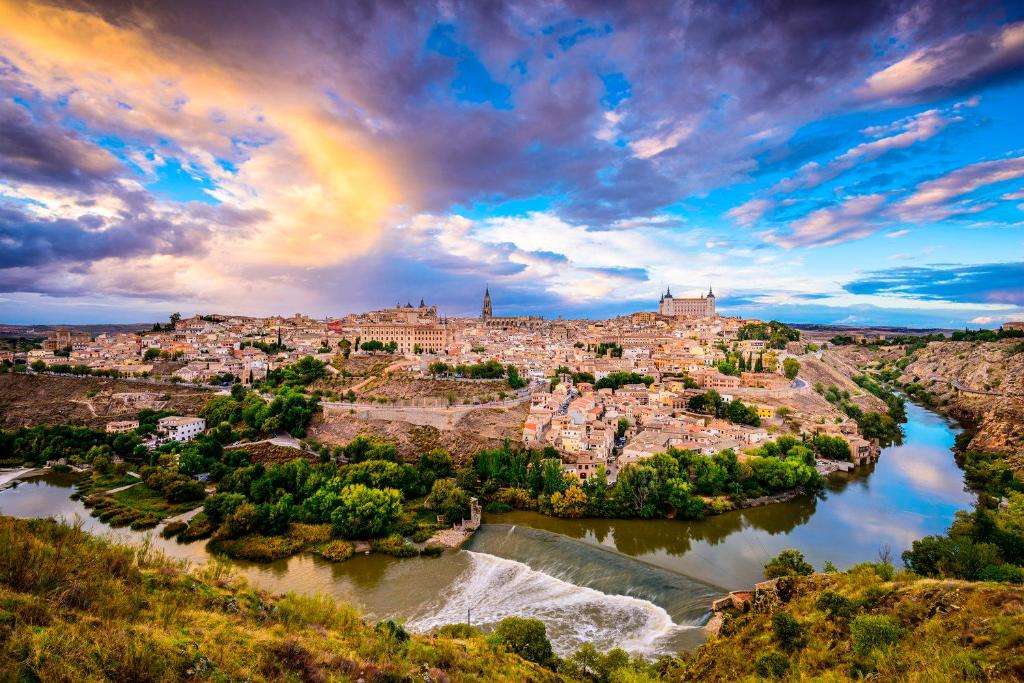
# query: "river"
[[642, 585]]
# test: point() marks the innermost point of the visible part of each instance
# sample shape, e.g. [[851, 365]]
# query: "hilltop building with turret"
[[681, 307]]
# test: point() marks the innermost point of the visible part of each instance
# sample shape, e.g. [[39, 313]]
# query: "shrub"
[[396, 546], [787, 563], [788, 631], [256, 548], [173, 529], [835, 605], [336, 551], [772, 665], [884, 571], [458, 631], [432, 550], [199, 527], [516, 498], [527, 638], [392, 631], [423, 534], [873, 597], [871, 632], [497, 506]]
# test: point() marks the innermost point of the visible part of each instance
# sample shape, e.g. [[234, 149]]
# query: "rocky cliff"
[[979, 383]]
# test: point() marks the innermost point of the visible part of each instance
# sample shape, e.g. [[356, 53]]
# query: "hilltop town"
[[599, 392]]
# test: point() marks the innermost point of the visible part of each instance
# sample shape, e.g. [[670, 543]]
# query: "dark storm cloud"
[[40, 153], [1001, 283]]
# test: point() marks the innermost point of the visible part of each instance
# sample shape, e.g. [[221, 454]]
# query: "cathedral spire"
[[486, 311]]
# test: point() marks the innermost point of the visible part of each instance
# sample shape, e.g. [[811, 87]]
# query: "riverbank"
[[591, 580]]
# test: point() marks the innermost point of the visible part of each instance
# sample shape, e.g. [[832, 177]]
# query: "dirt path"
[[122, 488], [87, 404]]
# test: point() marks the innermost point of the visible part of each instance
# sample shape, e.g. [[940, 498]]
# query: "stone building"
[[680, 307]]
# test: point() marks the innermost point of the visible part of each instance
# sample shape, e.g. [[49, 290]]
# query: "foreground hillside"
[[858, 624], [74, 608]]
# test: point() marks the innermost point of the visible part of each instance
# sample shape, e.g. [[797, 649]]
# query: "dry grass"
[[952, 630], [75, 608]]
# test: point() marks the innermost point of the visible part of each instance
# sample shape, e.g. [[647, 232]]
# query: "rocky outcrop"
[[979, 384]]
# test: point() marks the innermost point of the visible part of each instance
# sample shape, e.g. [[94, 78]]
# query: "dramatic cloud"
[[952, 65], [48, 154], [578, 156]]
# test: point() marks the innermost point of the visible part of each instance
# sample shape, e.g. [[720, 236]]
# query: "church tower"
[[486, 313]]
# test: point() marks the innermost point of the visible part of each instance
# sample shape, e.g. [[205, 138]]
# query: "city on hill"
[[508, 341]]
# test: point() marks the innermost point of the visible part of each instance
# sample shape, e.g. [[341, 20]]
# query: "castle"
[[699, 307]]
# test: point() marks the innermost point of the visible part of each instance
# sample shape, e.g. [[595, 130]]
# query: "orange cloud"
[[327, 192]]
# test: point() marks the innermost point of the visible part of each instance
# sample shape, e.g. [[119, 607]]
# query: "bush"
[[516, 498], [395, 546], [772, 665], [871, 632], [392, 631], [199, 527], [336, 551], [432, 550], [835, 605], [527, 638], [787, 563], [173, 529], [788, 631], [497, 506], [458, 631], [256, 548], [882, 570]]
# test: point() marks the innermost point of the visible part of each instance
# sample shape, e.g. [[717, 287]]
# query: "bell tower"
[[486, 313]]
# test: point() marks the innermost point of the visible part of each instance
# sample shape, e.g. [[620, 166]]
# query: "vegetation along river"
[[644, 585]]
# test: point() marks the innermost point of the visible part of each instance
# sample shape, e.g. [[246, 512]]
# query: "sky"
[[848, 163]]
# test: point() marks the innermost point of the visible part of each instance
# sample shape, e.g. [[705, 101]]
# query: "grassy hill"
[[868, 623], [76, 608]]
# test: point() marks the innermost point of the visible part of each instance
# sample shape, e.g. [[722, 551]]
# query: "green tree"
[[363, 512], [448, 499], [372, 346], [553, 479], [527, 638], [871, 632], [787, 563], [791, 367], [638, 490], [831, 447]]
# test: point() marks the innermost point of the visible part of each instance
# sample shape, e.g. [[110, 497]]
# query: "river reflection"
[[914, 490], [642, 583]]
